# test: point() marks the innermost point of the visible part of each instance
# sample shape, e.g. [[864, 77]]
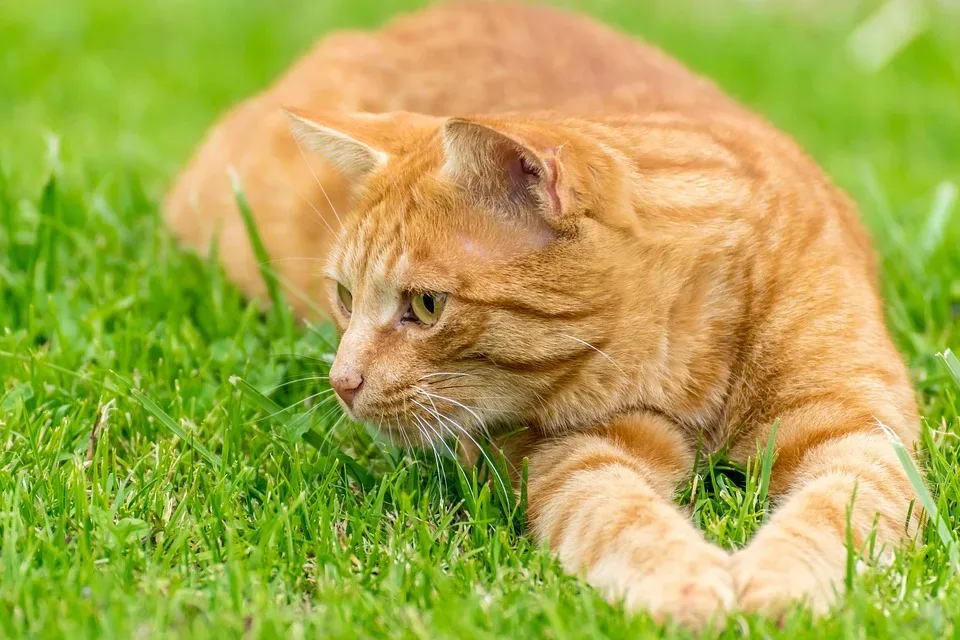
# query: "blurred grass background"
[[139, 82], [131, 534]]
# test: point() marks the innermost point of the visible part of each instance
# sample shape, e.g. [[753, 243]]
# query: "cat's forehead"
[[400, 236], [423, 233]]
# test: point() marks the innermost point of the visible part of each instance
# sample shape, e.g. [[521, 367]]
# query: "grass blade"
[[274, 291], [766, 465], [851, 566], [297, 426], [167, 421], [256, 398], [952, 364], [943, 204], [916, 479], [522, 505], [500, 470], [887, 32]]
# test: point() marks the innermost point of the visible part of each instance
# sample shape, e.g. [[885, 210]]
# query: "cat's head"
[[475, 281]]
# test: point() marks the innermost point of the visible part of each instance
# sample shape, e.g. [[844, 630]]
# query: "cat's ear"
[[348, 142], [510, 169]]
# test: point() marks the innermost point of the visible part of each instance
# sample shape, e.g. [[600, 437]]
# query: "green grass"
[[197, 508]]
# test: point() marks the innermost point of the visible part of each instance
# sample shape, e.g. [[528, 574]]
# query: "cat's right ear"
[[514, 167], [348, 142]]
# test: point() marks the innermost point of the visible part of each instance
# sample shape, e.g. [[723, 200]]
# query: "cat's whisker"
[[336, 424], [327, 436], [471, 410], [433, 412], [296, 356], [539, 398], [443, 440], [491, 398], [298, 403], [329, 432], [427, 440], [406, 450], [500, 411], [481, 424], [422, 427], [330, 412], [407, 440], [493, 467], [314, 207], [449, 381], [456, 387], [481, 397], [601, 352], [445, 373], [403, 436], [329, 404], [442, 417], [296, 380], [319, 184]]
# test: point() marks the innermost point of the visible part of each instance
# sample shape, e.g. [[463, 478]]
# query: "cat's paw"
[[777, 572], [693, 587]]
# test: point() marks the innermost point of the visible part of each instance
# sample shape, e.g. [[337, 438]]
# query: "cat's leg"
[[602, 500], [834, 468]]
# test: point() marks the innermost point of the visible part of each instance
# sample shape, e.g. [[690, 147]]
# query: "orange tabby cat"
[[615, 256], [454, 58]]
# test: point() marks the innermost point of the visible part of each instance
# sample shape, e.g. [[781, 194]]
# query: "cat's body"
[[644, 268], [457, 58]]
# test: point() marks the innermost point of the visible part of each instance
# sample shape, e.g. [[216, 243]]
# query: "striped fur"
[[644, 268]]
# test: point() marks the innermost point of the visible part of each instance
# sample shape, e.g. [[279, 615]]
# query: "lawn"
[[144, 494]]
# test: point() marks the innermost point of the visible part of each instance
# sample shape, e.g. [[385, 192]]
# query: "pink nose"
[[347, 384]]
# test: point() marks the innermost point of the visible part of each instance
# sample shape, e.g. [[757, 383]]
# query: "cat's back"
[[478, 56], [450, 59]]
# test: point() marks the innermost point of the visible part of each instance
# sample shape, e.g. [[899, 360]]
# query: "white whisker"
[[322, 190], [472, 410], [333, 427], [612, 361], [298, 403], [442, 417], [296, 380], [452, 401], [444, 373], [314, 207], [436, 458]]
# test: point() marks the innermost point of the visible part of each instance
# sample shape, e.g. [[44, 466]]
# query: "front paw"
[[691, 585], [780, 570]]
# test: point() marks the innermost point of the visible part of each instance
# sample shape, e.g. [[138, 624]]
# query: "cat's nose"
[[347, 383]]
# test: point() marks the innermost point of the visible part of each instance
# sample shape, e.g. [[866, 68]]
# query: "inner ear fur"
[[505, 170]]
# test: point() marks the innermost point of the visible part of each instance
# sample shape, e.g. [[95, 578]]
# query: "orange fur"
[[470, 57], [633, 264]]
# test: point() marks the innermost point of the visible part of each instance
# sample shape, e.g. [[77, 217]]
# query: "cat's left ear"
[[343, 141], [510, 168], [357, 144]]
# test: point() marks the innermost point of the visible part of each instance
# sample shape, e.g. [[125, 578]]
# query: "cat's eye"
[[346, 298], [427, 307]]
